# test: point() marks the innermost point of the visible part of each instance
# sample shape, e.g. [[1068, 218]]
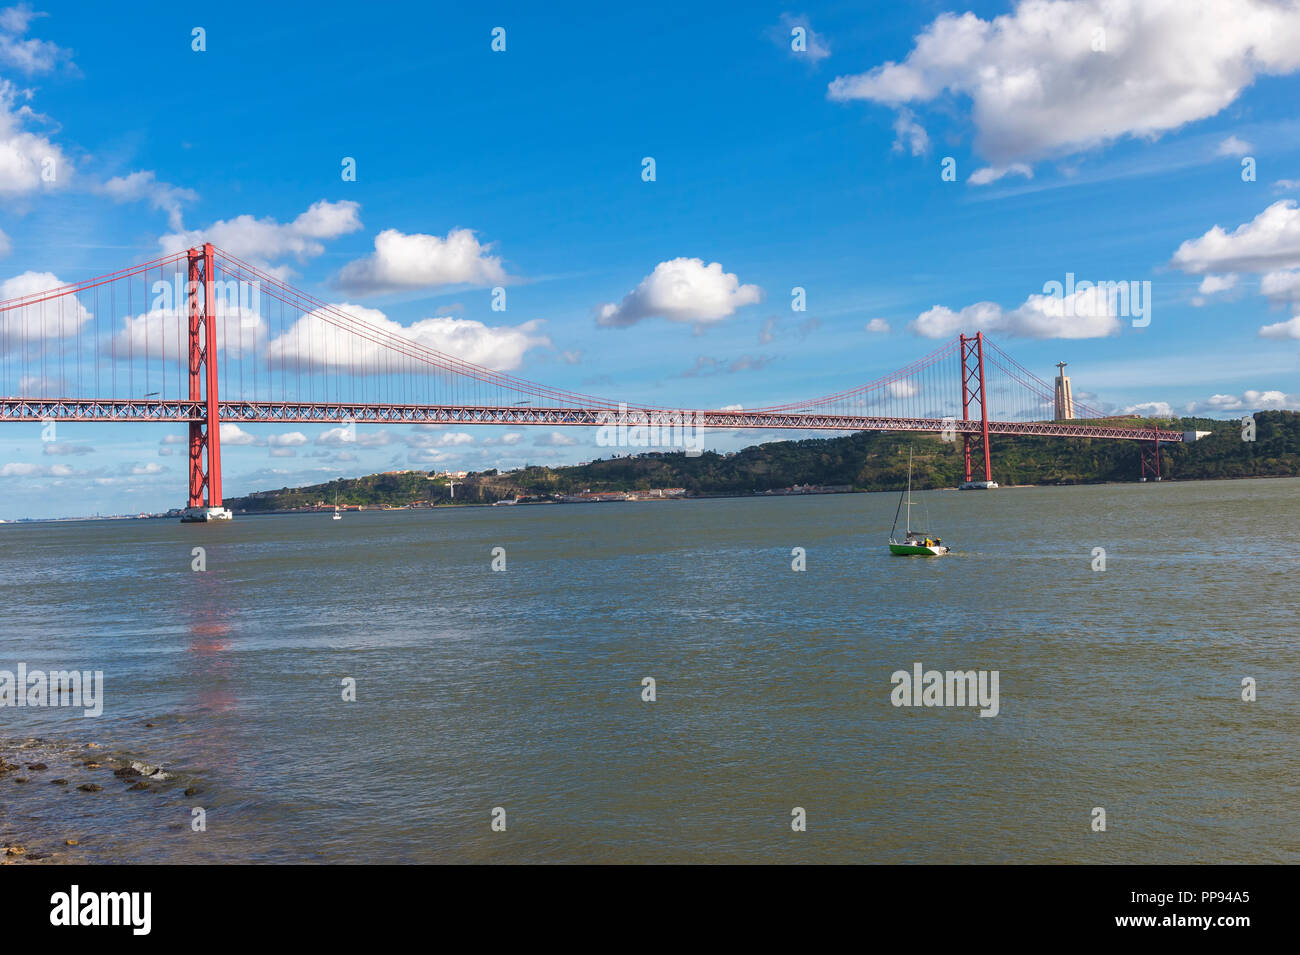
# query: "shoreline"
[[696, 497], [86, 770]]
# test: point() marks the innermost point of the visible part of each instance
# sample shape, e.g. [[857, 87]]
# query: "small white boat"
[[337, 515]]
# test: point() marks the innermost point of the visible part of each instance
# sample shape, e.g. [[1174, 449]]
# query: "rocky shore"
[[50, 769]]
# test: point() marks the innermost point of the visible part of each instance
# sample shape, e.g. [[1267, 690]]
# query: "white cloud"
[[1250, 400], [878, 326], [1151, 409], [153, 467], [314, 342], [982, 177], [681, 290], [235, 435], [289, 439], [1232, 146], [336, 437], [1269, 241], [266, 241], [5, 245], [26, 156], [909, 134], [1290, 329], [144, 185], [402, 262], [1054, 78], [24, 469], [29, 56], [1087, 313], [554, 440], [42, 321], [1212, 284], [1281, 285], [164, 334]]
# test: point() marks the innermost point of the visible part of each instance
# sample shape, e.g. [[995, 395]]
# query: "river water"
[[521, 689]]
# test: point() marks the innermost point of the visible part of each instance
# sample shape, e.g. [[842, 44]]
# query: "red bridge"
[[88, 351]]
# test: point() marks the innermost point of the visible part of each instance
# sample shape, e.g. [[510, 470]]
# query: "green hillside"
[[865, 461]]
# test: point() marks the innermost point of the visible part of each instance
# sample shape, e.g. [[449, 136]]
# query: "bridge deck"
[[277, 412]]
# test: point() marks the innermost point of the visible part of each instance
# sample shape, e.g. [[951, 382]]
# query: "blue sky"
[[1112, 155]]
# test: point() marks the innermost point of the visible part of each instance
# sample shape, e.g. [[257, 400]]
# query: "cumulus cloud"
[[1268, 244], [163, 333], [1290, 329], [422, 439], [1281, 285], [1087, 313], [909, 134], [266, 241], [313, 342], [289, 439], [29, 160], [554, 440], [29, 56], [1232, 146], [26, 469], [1269, 241], [233, 434], [1151, 409], [144, 185], [681, 290], [1249, 400], [877, 326], [1049, 79], [982, 177], [1212, 284], [43, 321], [402, 262], [336, 437]]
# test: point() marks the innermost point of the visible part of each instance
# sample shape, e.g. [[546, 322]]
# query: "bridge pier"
[[205, 434]]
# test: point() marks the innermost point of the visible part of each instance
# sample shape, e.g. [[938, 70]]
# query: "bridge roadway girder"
[[307, 412]]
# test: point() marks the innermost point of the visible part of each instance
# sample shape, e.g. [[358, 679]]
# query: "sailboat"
[[914, 543], [337, 516]]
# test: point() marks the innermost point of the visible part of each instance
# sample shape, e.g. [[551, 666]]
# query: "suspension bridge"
[[201, 337]]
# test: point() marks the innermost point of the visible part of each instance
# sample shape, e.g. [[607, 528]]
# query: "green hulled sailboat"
[[914, 543]]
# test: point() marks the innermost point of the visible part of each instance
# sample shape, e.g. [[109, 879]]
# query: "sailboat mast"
[[909, 492]]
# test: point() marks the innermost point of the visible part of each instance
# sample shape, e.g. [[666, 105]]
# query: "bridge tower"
[[1149, 452], [205, 434], [972, 390]]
